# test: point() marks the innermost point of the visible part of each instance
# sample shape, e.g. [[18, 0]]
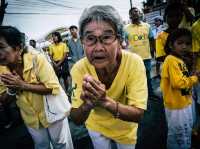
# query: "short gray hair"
[[101, 13]]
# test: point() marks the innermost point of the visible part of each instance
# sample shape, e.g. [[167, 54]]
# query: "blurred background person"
[[59, 52]]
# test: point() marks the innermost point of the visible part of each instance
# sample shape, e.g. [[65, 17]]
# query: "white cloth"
[[180, 124], [101, 142], [58, 134]]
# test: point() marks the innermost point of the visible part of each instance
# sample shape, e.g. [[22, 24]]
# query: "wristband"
[[11, 92]]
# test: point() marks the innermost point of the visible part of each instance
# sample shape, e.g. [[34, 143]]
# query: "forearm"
[[36, 88], [124, 112], [80, 115]]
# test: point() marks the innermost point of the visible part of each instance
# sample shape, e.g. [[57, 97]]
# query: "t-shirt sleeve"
[[137, 92], [46, 74], [77, 85], [177, 76]]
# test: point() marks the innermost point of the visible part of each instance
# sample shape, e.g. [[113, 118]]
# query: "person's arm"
[[123, 112], [178, 79], [80, 115], [95, 92], [48, 84], [14, 81]]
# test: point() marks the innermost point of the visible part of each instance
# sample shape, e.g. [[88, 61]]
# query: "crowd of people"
[[105, 69]]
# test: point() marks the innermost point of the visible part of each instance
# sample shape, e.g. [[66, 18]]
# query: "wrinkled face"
[[101, 44], [8, 55], [182, 45]]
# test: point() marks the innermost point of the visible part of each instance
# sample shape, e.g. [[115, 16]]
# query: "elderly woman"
[[111, 93], [18, 78]]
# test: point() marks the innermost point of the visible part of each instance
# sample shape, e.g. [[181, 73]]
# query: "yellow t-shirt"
[[129, 87], [31, 104], [57, 51], [3, 69], [196, 41], [176, 84], [160, 44], [138, 38]]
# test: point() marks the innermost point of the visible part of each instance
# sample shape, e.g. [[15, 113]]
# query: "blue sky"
[[37, 17]]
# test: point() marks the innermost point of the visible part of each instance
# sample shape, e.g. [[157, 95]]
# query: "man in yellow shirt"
[[59, 52], [141, 41]]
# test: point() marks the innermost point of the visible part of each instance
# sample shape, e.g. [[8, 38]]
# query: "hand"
[[94, 90], [12, 80]]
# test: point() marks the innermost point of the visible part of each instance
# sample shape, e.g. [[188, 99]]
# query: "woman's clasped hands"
[[94, 92]]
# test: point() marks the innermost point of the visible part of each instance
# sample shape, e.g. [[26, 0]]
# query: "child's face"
[[182, 45]]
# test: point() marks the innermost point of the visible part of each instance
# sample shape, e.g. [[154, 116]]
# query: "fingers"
[[11, 81], [96, 84], [87, 99], [88, 86]]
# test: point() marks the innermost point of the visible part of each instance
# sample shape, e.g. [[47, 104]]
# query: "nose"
[[98, 45], [184, 45]]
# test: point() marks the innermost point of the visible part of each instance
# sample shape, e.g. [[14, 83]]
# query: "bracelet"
[[117, 114], [11, 92]]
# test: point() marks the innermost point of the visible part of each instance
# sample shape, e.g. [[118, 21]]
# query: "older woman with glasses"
[[111, 93]]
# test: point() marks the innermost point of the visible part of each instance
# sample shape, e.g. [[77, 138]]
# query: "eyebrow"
[[105, 31]]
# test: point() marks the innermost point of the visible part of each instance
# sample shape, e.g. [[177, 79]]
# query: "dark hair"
[[175, 7], [73, 27], [132, 8], [57, 34], [32, 42], [174, 36], [101, 13], [12, 36]]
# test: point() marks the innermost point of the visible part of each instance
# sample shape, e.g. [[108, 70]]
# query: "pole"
[[131, 3], [2, 10]]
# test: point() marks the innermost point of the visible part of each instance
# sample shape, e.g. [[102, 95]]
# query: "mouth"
[[99, 58]]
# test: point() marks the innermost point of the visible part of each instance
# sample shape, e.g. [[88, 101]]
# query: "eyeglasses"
[[90, 40]]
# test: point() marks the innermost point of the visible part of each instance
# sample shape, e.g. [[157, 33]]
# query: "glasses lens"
[[90, 40], [108, 39], [104, 39]]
